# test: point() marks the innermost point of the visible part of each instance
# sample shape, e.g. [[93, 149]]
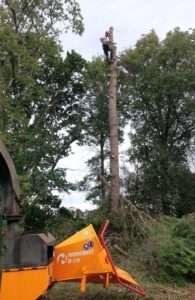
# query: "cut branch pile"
[[134, 219]]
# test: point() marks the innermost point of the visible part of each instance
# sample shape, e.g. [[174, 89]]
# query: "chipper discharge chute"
[[84, 257]]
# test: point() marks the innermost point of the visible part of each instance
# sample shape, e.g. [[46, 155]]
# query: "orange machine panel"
[[26, 284], [84, 257], [74, 254]]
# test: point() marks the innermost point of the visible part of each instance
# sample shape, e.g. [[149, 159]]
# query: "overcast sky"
[[130, 19]]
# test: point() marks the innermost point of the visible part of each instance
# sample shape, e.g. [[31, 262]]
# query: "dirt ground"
[[154, 292], [169, 293]]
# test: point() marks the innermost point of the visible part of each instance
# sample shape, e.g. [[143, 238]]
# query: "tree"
[[96, 136], [42, 17], [160, 90], [108, 76], [96, 130], [40, 97], [113, 130]]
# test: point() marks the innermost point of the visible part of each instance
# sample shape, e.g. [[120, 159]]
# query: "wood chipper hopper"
[[84, 257]]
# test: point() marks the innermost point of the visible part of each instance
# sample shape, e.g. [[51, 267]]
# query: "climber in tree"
[[106, 47]]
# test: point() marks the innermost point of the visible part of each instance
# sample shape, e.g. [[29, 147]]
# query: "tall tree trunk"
[[113, 124], [102, 168]]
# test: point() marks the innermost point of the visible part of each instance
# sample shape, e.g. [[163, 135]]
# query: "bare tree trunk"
[[113, 124], [102, 168]]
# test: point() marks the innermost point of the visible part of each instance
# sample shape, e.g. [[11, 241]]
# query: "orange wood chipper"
[[32, 263]]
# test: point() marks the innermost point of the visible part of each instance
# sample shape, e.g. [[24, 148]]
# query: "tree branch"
[[14, 18]]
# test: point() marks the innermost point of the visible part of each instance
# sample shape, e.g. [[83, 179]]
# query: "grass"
[[154, 291], [70, 291]]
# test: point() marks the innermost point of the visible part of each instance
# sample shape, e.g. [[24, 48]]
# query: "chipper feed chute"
[[85, 258]]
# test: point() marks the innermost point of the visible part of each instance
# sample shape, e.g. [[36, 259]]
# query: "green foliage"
[[97, 133], [185, 186], [186, 230], [45, 125], [170, 251], [40, 109], [42, 16], [161, 248], [96, 129], [141, 189], [159, 84], [64, 223], [99, 215]]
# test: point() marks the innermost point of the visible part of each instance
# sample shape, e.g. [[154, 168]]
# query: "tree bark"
[[102, 168], [113, 125]]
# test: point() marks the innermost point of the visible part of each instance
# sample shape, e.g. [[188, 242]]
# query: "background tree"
[[40, 98], [96, 130], [160, 84]]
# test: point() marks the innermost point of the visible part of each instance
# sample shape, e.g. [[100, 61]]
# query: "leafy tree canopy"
[[159, 79], [40, 111]]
